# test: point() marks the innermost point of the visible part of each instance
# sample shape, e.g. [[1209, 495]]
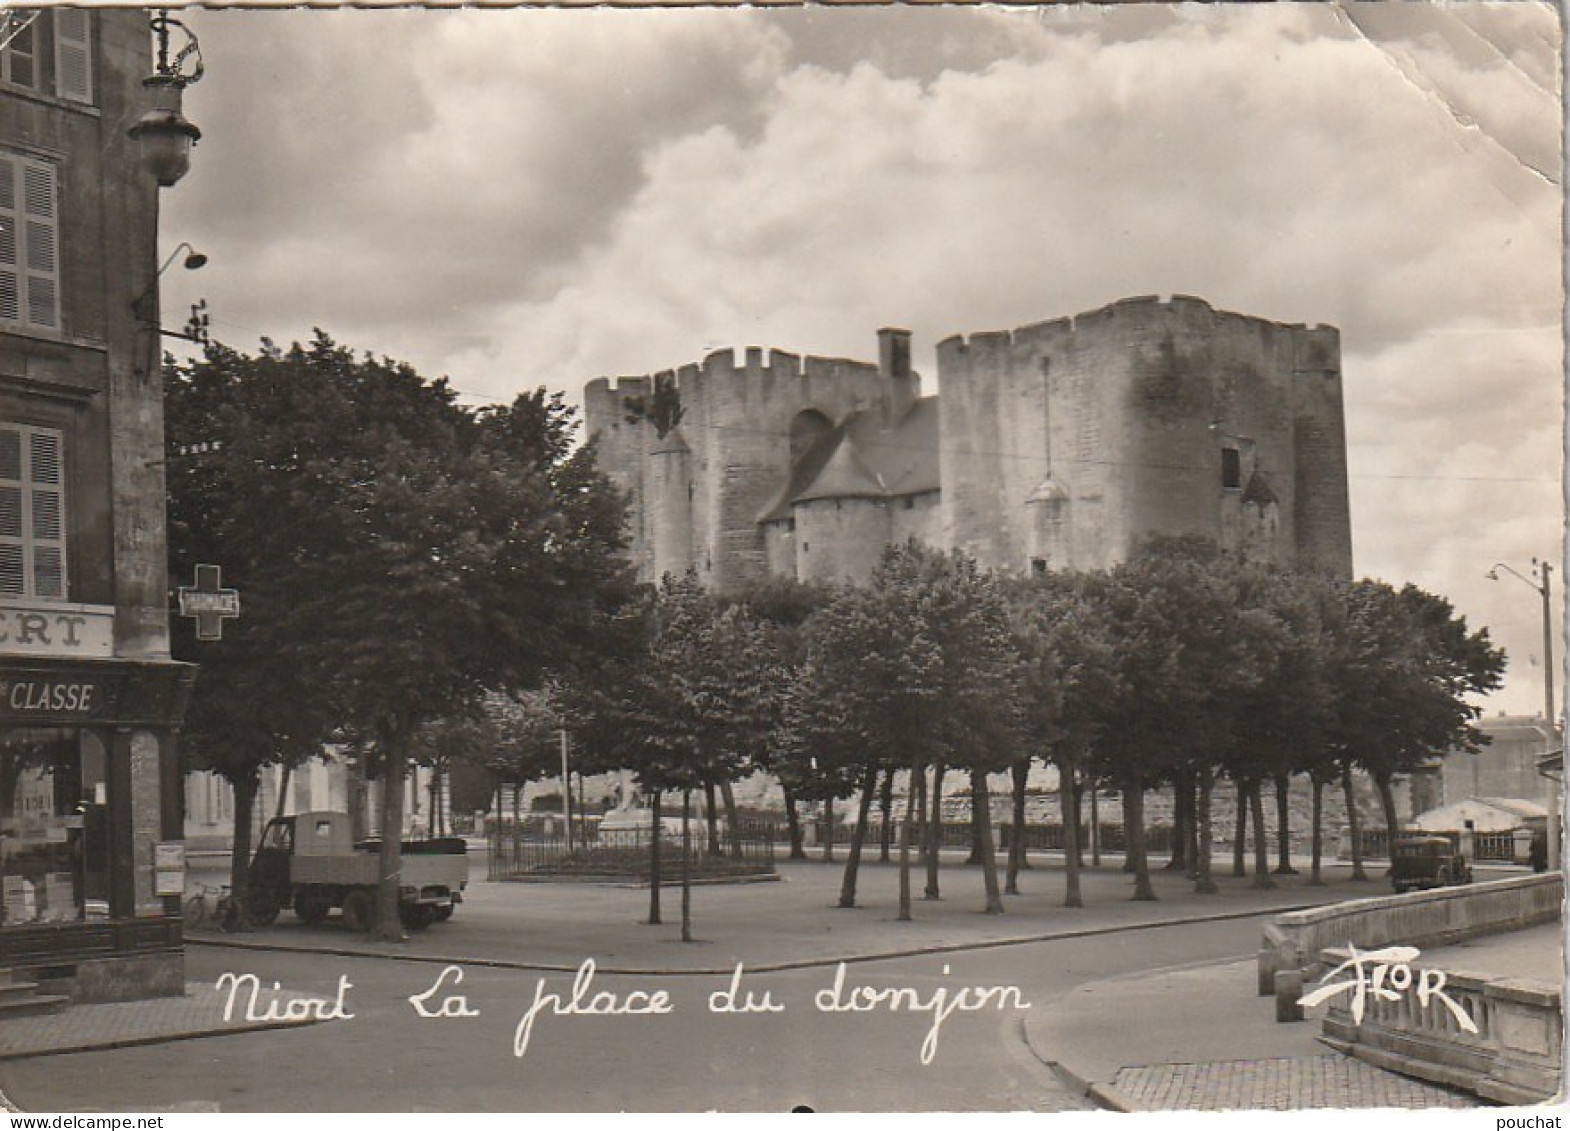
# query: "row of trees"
[[425, 579], [1182, 667]]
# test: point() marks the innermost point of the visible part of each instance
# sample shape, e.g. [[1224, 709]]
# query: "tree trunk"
[[1204, 877], [395, 764], [886, 814], [1256, 802], [246, 788], [981, 823], [869, 783], [711, 816], [283, 790], [1284, 826], [980, 815], [1318, 832], [1354, 825], [935, 831], [732, 819], [686, 865], [656, 839], [1240, 841], [1095, 823], [358, 823], [1017, 827], [905, 830], [919, 789], [1134, 835], [828, 831], [1181, 801], [1387, 800], [793, 823], [1068, 804]]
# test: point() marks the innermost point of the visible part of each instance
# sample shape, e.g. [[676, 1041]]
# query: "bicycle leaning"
[[210, 907]]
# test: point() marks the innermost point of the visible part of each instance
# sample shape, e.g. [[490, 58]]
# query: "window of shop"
[[32, 512], [54, 826]]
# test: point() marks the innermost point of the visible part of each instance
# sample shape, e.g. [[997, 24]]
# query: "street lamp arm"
[[1493, 575]]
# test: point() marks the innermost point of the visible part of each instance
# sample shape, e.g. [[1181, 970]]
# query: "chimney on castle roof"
[[899, 384]]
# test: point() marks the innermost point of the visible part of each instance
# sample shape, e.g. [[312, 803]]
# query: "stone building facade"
[[1061, 444], [90, 700]]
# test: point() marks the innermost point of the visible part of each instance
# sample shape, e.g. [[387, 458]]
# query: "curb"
[[761, 968], [148, 1039]]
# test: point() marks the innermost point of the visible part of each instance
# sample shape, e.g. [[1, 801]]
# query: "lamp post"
[[1541, 583], [1543, 588]]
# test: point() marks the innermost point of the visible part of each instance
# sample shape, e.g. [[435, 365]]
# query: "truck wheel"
[[416, 918], [312, 908], [262, 908], [357, 911]]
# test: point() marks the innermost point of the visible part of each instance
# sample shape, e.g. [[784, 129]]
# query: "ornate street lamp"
[[164, 133]]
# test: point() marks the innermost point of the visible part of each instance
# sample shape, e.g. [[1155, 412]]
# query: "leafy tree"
[[1408, 669], [1066, 645], [423, 552]]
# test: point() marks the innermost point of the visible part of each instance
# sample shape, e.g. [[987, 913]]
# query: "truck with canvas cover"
[[311, 862]]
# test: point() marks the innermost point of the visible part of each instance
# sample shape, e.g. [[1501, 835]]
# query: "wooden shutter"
[[43, 254], [73, 54], [32, 512], [47, 507], [10, 243], [29, 243], [13, 561]]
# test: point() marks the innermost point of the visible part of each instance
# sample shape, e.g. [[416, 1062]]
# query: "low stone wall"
[[1294, 943], [1511, 1052]]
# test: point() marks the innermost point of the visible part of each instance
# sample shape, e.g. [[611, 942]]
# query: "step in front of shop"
[[20, 998]]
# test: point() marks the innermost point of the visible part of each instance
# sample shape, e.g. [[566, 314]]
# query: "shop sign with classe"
[[26, 695]]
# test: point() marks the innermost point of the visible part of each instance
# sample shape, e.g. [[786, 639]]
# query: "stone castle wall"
[[1061, 444], [1128, 410], [736, 425]]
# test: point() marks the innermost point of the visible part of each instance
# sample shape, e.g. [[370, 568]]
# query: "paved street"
[[387, 1058], [521, 943]]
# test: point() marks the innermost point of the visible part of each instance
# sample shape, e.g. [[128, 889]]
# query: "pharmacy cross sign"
[[209, 604]]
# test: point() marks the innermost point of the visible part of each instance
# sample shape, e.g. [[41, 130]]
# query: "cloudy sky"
[[518, 198]]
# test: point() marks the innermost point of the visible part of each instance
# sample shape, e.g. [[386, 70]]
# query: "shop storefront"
[[90, 824]]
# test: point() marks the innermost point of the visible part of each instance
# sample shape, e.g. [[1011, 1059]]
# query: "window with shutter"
[[29, 243], [73, 54], [32, 512], [19, 35]]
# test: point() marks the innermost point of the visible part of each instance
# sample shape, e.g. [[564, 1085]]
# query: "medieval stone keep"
[[1061, 444]]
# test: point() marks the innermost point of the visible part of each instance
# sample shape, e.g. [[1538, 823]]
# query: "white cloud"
[[526, 197]]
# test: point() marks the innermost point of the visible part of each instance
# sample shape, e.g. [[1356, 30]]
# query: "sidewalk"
[[1183, 1052], [794, 922]]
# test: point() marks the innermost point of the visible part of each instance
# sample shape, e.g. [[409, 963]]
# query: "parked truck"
[[311, 862]]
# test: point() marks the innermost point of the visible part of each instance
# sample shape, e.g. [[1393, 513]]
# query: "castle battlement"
[[755, 365], [1130, 314]]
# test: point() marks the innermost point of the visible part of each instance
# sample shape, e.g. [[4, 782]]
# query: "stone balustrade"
[[1511, 1053], [1294, 943]]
